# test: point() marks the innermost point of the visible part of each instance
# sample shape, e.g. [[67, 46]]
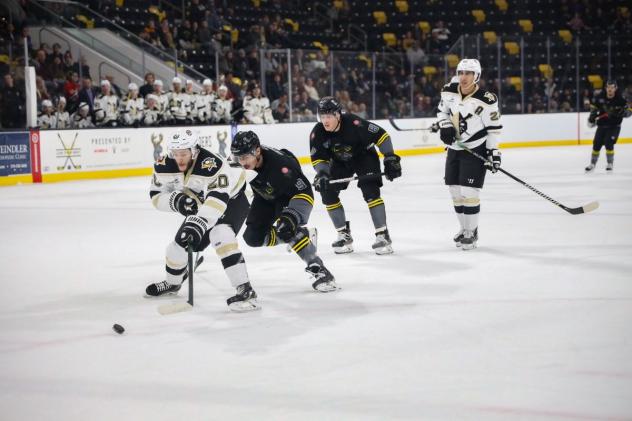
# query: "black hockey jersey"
[[280, 177], [608, 112]]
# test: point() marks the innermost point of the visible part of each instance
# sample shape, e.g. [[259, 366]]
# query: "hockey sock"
[[595, 157], [337, 215], [471, 207], [225, 243], [176, 263], [457, 200], [610, 157], [378, 212], [302, 246]]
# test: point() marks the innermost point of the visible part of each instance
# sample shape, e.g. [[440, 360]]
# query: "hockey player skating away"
[[205, 102], [132, 107], [282, 203], [151, 114], [61, 115], [81, 118], [343, 145], [257, 107], [210, 194], [606, 112], [468, 114], [178, 104], [106, 106], [46, 119], [222, 112]]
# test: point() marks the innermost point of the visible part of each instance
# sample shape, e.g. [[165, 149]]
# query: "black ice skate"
[[468, 242], [244, 300], [458, 237], [344, 243], [382, 243], [324, 280], [161, 288], [609, 167], [590, 167]]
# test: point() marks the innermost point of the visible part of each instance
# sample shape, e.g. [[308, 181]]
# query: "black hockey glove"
[[286, 225], [392, 167], [184, 204], [321, 182], [434, 127], [493, 164], [447, 132], [193, 227]]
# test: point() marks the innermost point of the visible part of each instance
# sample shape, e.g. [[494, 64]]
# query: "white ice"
[[534, 324]]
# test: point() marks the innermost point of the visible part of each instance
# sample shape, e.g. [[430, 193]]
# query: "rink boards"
[[59, 155]]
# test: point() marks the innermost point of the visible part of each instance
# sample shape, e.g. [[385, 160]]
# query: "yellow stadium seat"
[[402, 6], [367, 60], [596, 81], [490, 37], [526, 25], [256, 3], [502, 5], [119, 3], [380, 17], [390, 39], [338, 4], [512, 47], [566, 35], [424, 26], [293, 24], [546, 70], [88, 23], [516, 82], [322, 47], [453, 60], [479, 15], [160, 15], [234, 36], [430, 70]]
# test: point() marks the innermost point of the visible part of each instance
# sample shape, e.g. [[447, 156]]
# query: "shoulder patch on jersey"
[[162, 161], [300, 184], [485, 96], [209, 164], [451, 87], [373, 128], [284, 170]]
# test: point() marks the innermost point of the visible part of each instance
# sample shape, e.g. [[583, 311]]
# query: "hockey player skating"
[[343, 145], [282, 203], [470, 115], [210, 194], [606, 112]]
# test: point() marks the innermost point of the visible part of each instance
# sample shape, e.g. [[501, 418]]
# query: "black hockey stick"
[[399, 129], [573, 211], [356, 177], [188, 305]]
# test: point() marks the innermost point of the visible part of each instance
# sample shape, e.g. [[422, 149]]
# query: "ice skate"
[[609, 167], [590, 167], [344, 242], [161, 289], [458, 237], [382, 243], [324, 281], [244, 300], [468, 242]]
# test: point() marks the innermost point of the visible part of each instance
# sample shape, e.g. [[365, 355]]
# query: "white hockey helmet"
[[183, 139], [61, 99], [46, 103], [132, 87], [470, 65], [207, 82], [176, 80], [105, 82], [158, 82]]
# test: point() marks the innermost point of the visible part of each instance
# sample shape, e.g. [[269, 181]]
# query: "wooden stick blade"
[[173, 308]]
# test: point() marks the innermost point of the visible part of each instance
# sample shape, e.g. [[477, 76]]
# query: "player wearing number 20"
[[469, 115], [210, 194]]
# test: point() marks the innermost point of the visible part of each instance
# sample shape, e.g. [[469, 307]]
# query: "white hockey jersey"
[[223, 110], [63, 119], [204, 105], [179, 106], [106, 109], [211, 181], [163, 105], [192, 104], [45, 121], [131, 111], [476, 116], [257, 110], [79, 122]]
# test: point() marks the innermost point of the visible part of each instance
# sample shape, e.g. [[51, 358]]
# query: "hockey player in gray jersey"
[[210, 194], [106, 106], [132, 107], [470, 115], [61, 115]]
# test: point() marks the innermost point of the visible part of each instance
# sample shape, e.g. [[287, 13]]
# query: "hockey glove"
[[321, 182], [447, 132], [493, 164], [286, 225], [193, 227], [592, 120], [434, 128], [392, 167], [184, 204]]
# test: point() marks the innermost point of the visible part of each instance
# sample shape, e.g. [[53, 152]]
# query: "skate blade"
[[384, 250], [167, 309], [466, 247], [244, 306], [161, 296], [343, 250], [326, 287]]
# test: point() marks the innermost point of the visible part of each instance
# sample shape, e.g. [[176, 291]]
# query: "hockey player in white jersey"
[[205, 102], [162, 98], [46, 119], [178, 104], [61, 115], [81, 118], [223, 109], [468, 115], [191, 97], [257, 107], [106, 106], [151, 114], [132, 107], [210, 194]]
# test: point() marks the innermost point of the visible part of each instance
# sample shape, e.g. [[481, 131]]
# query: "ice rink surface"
[[535, 324]]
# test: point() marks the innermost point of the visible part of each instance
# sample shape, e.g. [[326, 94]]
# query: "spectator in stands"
[[41, 90], [55, 53], [442, 35], [184, 35], [577, 23], [87, 93], [165, 35], [408, 40], [150, 33], [416, 56], [55, 69], [311, 89], [68, 62], [82, 67], [12, 104], [213, 20], [71, 90], [204, 36], [148, 87], [39, 63]]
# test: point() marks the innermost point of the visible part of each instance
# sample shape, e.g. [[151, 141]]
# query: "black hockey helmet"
[[329, 105], [244, 143], [612, 82]]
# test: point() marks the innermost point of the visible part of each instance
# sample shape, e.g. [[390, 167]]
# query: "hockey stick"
[[573, 211], [188, 305], [356, 177], [399, 129]]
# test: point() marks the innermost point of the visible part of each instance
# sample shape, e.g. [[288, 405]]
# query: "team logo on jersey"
[[300, 184], [284, 170], [373, 128], [209, 163], [463, 123]]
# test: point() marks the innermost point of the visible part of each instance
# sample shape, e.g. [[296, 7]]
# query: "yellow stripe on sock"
[[306, 197], [596, 153], [334, 206], [301, 245], [272, 241], [375, 202], [609, 152], [318, 161]]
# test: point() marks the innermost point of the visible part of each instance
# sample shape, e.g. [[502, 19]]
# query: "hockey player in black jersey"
[[606, 112], [343, 145], [470, 115], [210, 194], [282, 203]]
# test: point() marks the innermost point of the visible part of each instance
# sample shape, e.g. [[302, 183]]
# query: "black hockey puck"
[[118, 328]]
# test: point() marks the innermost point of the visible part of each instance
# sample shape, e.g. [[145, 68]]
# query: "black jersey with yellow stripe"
[[280, 177]]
